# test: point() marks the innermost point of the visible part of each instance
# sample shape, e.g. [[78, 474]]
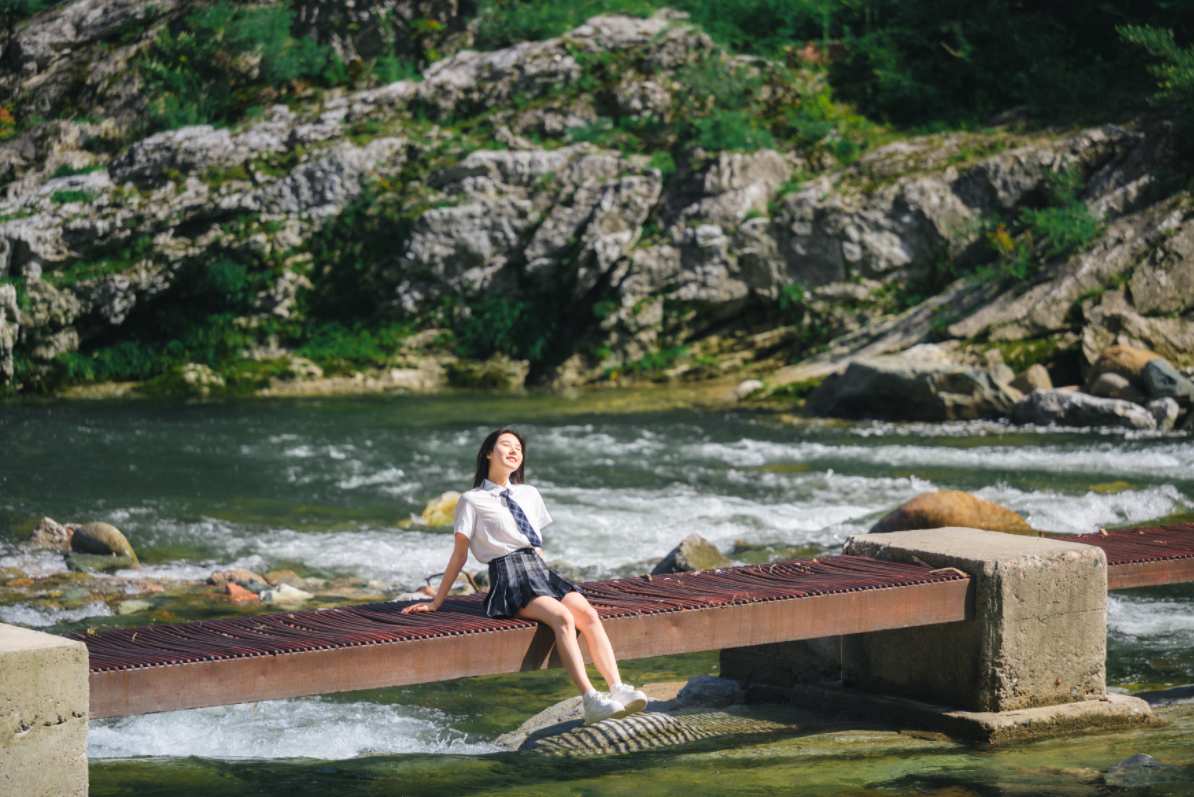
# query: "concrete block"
[[809, 661], [43, 714], [1039, 637], [1113, 713]]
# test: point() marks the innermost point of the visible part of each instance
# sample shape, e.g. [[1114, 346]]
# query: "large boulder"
[[1162, 380], [1035, 377], [694, 553], [1070, 408], [948, 508], [441, 511], [1123, 360], [1112, 385], [102, 539], [900, 389]]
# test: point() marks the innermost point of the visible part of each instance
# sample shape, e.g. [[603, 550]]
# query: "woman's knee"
[[586, 617]]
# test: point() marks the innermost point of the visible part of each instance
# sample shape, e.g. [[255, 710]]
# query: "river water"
[[320, 486]]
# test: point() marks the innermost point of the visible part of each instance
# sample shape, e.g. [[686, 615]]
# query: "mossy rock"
[[98, 563], [947, 508], [103, 539], [694, 553]]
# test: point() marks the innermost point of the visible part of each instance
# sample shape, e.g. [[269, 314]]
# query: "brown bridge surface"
[[292, 654]]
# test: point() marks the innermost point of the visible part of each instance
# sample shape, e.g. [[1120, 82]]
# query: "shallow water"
[[320, 486]]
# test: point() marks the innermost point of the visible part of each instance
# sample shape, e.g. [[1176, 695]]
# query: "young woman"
[[501, 520]]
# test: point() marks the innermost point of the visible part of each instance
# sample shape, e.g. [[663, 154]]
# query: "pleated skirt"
[[518, 578]]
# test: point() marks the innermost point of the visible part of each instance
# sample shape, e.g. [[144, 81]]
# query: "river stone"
[[899, 389], [1112, 385], [50, 534], [947, 508], [1070, 408], [746, 388], [97, 563], [441, 511], [1162, 380], [239, 576], [694, 553], [1142, 770], [103, 539], [276, 577], [283, 594], [1123, 360], [1036, 377], [132, 607], [1165, 410]]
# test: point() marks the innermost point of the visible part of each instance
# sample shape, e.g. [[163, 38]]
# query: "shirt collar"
[[491, 487]]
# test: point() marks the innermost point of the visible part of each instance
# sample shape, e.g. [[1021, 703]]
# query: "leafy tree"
[[1174, 69]]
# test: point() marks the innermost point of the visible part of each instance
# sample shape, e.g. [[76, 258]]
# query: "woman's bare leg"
[[589, 624], [556, 615]]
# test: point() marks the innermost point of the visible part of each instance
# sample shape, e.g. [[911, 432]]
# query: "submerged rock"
[[98, 563], [711, 692], [239, 576], [1142, 770], [102, 539], [1070, 408], [946, 508], [694, 553], [901, 389]]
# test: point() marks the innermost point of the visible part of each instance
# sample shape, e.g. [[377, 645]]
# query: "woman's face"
[[506, 456]]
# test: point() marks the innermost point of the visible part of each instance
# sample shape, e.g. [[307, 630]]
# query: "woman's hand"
[[422, 606]]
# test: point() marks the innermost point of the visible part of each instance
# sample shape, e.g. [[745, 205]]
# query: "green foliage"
[[227, 61], [791, 297], [70, 171], [519, 329], [64, 196], [664, 162], [391, 69], [1174, 69], [340, 349], [652, 363], [795, 391]]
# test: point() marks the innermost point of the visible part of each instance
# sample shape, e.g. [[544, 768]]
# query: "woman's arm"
[[459, 556]]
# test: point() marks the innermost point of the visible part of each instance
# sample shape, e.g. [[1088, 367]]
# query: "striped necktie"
[[520, 518]]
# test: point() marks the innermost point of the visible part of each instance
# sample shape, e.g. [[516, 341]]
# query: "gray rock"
[[102, 539], [694, 553], [1142, 770], [747, 387], [1112, 385], [50, 534], [899, 389], [1071, 408], [1162, 380], [1165, 410], [1035, 377], [708, 691]]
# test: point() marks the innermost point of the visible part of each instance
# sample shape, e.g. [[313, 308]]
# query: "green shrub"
[[1174, 69], [519, 329], [63, 197], [202, 75], [340, 349]]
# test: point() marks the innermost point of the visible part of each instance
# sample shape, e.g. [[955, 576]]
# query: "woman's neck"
[[500, 479]]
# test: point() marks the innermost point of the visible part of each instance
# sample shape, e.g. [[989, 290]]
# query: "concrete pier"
[[43, 714], [1032, 661]]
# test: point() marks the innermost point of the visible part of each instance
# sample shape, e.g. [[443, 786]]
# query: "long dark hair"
[[487, 449]]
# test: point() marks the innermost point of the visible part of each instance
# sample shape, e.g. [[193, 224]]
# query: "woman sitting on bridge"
[[500, 520]]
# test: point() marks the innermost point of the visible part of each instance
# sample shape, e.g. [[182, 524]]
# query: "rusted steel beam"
[[147, 690], [1150, 574]]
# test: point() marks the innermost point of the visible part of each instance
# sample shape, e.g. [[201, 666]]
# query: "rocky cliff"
[[627, 201]]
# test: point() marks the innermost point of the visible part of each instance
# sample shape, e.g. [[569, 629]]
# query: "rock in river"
[[694, 553], [440, 511], [900, 389], [1162, 380], [284, 593], [1035, 377], [102, 539], [1122, 360], [946, 508], [1112, 385], [1070, 408], [51, 534]]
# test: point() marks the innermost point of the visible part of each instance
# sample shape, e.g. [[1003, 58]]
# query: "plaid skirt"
[[518, 578]]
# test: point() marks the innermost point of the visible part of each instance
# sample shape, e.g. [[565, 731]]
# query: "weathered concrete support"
[[1038, 637], [785, 664], [43, 714]]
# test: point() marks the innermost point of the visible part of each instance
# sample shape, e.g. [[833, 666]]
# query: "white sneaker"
[[599, 707], [630, 699]]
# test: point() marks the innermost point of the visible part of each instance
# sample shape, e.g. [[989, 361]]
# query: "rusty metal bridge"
[[292, 654]]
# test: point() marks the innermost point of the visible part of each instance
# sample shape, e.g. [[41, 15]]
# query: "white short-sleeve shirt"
[[483, 517]]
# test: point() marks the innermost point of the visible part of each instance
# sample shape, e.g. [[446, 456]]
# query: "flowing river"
[[321, 486]]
